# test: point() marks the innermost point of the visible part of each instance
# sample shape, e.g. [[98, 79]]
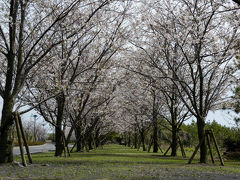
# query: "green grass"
[[118, 162]]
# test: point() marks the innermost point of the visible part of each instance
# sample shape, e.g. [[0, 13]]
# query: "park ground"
[[118, 162]]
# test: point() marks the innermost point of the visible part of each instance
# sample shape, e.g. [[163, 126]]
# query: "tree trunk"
[[58, 141], [97, 141], [201, 136], [79, 144], [135, 138], [7, 132], [174, 141], [155, 137], [90, 147], [129, 139], [78, 139], [143, 140], [58, 134], [125, 139], [154, 121]]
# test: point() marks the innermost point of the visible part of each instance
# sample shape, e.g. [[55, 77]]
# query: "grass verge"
[[118, 162]]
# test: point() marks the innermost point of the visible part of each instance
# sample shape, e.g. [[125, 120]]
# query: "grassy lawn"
[[118, 162]]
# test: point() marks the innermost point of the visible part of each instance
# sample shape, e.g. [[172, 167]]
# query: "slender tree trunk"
[[58, 141], [174, 112], [135, 138], [201, 135], [155, 127], [83, 143], [97, 137], [90, 147], [174, 144], [155, 136], [143, 140], [129, 139], [78, 139], [125, 139], [79, 144], [58, 129], [6, 132]]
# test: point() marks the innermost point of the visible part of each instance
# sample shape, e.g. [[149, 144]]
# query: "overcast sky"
[[27, 116]]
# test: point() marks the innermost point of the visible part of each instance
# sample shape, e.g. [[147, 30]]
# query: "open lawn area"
[[117, 162]]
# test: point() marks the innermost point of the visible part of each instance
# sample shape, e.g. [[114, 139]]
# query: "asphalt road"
[[36, 149]]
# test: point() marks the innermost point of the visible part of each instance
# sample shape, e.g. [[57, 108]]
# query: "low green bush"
[[32, 143]]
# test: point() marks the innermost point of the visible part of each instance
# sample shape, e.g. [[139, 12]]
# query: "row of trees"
[[182, 55], [227, 137], [56, 57]]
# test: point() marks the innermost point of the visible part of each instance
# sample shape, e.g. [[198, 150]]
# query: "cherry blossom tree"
[[78, 66], [35, 34], [27, 36], [197, 40]]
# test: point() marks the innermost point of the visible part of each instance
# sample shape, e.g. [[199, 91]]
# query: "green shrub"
[[31, 143]]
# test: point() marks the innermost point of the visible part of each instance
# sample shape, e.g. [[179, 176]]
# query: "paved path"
[[36, 149]]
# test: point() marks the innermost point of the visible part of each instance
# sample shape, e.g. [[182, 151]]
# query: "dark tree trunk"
[[155, 125], [155, 137], [135, 138], [58, 130], [174, 117], [143, 140], [129, 139], [125, 139], [90, 147], [79, 144], [90, 131], [97, 138], [78, 139], [174, 144], [58, 141], [6, 132], [201, 137]]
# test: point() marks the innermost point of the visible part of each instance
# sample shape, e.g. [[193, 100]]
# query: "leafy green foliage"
[[222, 133], [191, 131], [30, 143], [51, 137]]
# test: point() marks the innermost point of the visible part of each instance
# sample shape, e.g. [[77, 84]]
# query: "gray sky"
[[28, 116]]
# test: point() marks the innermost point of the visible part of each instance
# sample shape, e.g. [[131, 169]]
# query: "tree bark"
[[201, 137], [79, 144], [135, 138], [129, 139], [90, 147], [125, 139], [97, 140], [174, 141], [155, 125], [78, 139], [58, 141], [6, 132], [143, 140], [58, 134], [155, 136]]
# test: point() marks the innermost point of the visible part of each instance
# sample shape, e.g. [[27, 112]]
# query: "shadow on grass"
[[113, 159], [147, 156], [112, 162]]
